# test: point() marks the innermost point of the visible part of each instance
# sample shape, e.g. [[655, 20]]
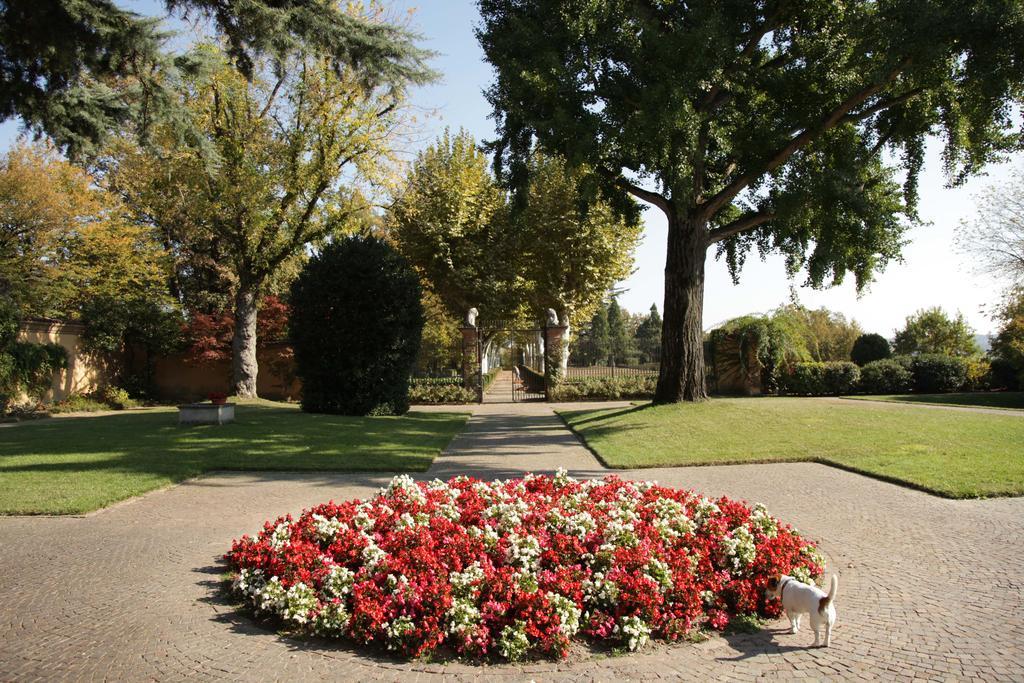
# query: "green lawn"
[[1010, 400], [955, 454], [73, 465]]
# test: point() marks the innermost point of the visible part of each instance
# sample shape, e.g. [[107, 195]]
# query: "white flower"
[[739, 547], [767, 524], [272, 597], [704, 510], [373, 555], [568, 613], [301, 600], [326, 528], [339, 581], [513, 643], [635, 632], [600, 591], [281, 536], [396, 629], [406, 484], [523, 550]]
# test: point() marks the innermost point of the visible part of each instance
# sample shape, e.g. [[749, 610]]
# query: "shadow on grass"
[[152, 446]]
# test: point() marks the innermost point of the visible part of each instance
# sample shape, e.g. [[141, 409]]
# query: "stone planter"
[[206, 413]]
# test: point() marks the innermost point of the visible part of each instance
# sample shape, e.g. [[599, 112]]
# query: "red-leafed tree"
[[209, 335]]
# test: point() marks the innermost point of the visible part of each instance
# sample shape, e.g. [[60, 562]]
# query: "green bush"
[[436, 381], [869, 348], [886, 377], [356, 322], [80, 403], [821, 379], [118, 398], [604, 388], [434, 394], [935, 373], [1004, 375]]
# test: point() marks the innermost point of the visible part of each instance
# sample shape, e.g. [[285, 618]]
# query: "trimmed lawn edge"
[[955, 406], [781, 461]]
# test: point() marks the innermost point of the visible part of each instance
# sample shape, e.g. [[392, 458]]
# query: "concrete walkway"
[[930, 588]]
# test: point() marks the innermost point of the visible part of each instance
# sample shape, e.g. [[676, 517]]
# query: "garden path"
[[930, 588]]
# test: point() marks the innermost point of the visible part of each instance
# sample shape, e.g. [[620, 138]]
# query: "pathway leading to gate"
[[930, 588]]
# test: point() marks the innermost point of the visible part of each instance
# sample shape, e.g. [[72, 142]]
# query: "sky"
[[933, 272]]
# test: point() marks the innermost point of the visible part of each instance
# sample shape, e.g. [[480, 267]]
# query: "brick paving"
[[930, 588]]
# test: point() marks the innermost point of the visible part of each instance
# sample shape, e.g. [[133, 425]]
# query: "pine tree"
[[597, 346], [77, 70], [648, 337], [618, 335]]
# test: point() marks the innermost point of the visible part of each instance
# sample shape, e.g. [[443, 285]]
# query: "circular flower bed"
[[518, 568]]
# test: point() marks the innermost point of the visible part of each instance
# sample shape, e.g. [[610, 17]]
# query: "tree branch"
[[853, 117], [741, 224], [805, 137], [714, 99], [648, 196]]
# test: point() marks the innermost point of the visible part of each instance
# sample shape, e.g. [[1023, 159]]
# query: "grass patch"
[[1007, 400], [74, 465], [958, 455]]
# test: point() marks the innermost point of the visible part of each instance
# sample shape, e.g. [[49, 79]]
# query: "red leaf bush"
[[518, 568]]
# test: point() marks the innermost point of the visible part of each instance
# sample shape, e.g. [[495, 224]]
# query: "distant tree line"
[[616, 337]]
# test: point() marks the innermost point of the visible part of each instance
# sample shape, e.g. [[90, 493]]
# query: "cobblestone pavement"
[[929, 588]]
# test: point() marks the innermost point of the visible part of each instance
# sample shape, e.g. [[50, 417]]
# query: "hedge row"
[[445, 390], [605, 388], [927, 374]]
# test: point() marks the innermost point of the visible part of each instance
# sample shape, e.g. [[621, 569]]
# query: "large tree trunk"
[[682, 334], [243, 361]]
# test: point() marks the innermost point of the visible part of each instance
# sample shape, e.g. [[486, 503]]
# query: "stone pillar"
[[471, 361], [552, 355]]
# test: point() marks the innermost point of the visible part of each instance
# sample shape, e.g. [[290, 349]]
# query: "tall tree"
[[1008, 344], [294, 146], [755, 125], [65, 242], [76, 69], [995, 236], [618, 334], [648, 336], [449, 221], [569, 254], [933, 331], [595, 345], [455, 225]]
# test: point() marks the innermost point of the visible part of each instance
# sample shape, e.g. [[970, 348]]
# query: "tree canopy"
[[765, 126], [65, 242], [933, 331], [297, 147], [457, 226], [78, 69]]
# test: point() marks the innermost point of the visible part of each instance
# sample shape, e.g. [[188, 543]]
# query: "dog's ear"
[[773, 583]]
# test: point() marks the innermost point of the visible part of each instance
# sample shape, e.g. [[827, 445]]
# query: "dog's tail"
[[832, 590]]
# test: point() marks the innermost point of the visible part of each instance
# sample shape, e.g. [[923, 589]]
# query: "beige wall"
[[83, 374], [175, 378]]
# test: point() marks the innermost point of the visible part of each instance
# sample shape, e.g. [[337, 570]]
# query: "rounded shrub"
[[356, 321], [886, 377], [936, 374], [870, 347]]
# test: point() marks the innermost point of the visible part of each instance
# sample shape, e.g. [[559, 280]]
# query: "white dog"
[[799, 599]]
